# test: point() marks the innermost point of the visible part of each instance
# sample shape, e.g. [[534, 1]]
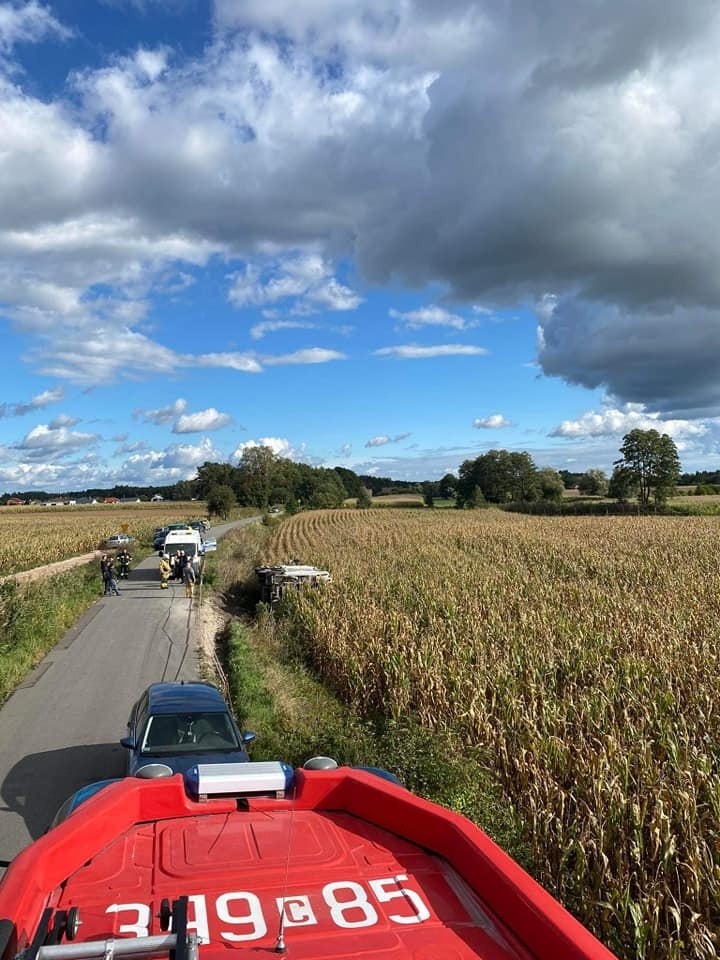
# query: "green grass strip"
[[35, 616]]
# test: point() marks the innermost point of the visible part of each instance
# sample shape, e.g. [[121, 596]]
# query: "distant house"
[[155, 497], [14, 502], [111, 500]]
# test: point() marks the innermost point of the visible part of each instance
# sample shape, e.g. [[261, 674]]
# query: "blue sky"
[[389, 236]]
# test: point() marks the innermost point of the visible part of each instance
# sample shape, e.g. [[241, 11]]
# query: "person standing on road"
[[124, 559], [165, 572], [104, 574], [111, 581], [189, 578]]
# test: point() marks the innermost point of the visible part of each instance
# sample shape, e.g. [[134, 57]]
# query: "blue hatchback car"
[[180, 725]]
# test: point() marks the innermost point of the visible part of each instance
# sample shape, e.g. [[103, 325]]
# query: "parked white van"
[[187, 540]]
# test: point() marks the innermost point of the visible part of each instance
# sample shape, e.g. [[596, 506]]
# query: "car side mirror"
[[248, 736], [128, 743]]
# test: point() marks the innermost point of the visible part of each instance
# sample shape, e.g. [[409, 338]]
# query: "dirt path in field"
[[39, 573]]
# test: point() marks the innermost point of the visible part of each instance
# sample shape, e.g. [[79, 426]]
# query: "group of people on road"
[[108, 571], [179, 567]]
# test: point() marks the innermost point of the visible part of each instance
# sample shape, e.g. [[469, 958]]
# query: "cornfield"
[[583, 654], [34, 536]]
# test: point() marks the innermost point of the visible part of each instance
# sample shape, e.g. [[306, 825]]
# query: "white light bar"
[[240, 779]]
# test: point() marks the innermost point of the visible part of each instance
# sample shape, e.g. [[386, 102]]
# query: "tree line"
[[262, 478], [259, 479], [648, 469]]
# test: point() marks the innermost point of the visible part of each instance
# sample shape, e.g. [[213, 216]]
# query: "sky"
[[383, 234]]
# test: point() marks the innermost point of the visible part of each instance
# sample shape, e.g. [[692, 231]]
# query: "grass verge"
[[34, 617]]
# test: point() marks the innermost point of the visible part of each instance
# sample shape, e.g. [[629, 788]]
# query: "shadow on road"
[[142, 575], [37, 785]]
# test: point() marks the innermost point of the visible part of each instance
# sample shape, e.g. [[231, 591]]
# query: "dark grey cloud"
[[666, 359]]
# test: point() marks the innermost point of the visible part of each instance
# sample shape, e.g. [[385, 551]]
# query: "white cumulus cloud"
[[202, 421], [614, 422], [178, 461], [49, 441], [280, 446], [305, 283], [28, 23], [494, 422]]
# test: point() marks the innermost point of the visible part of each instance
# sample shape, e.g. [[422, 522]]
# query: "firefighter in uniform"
[[123, 559], [164, 573]]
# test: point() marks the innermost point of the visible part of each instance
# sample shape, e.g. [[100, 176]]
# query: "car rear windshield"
[[189, 733]]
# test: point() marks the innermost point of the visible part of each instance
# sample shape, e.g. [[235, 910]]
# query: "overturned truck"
[[276, 580]]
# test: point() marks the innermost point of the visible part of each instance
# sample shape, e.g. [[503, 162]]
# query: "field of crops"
[[34, 536], [583, 653]]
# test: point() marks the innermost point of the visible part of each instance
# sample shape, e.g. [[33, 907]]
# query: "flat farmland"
[[32, 536], [581, 654]]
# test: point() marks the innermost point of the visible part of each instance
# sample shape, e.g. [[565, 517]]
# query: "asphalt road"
[[61, 727]]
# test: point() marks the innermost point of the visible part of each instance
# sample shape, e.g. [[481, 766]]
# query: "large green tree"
[[622, 484], [257, 469], [364, 499], [502, 476], [652, 460], [475, 501], [551, 484], [448, 486], [211, 475], [351, 481], [327, 491], [220, 501], [593, 482]]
